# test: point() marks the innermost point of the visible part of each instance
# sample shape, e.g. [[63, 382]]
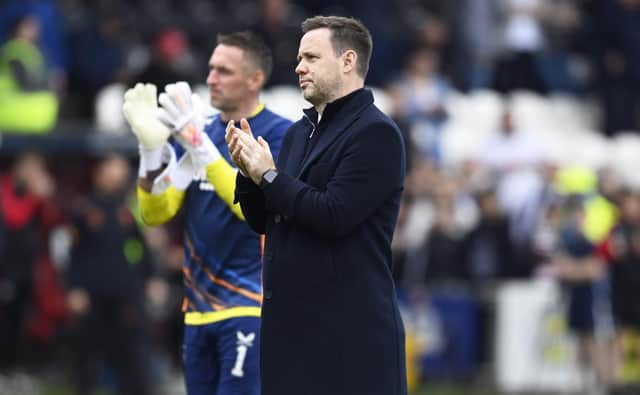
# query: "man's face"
[[318, 67], [112, 175], [228, 78]]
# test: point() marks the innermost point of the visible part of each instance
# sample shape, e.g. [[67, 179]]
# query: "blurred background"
[[517, 250]]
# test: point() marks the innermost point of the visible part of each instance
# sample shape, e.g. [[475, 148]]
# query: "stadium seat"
[[530, 111], [594, 149], [108, 109], [568, 111], [382, 99], [481, 111], [285, 100], [625, 158]]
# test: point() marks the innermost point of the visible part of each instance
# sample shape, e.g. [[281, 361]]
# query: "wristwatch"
[[268, 177]]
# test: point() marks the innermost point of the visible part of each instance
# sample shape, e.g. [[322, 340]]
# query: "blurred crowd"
[[87, 295], [75, 48], [74, 260]]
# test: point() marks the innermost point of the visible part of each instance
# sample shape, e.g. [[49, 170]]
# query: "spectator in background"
[[25, 214], [615, 53], [51, 41], [579, 220], [172, 60], [562, 69], [523, 41], [439, 212], [419, 99], [387, 31], [435, 31], [279, 26], [27, 105], [488, 247], [97, 59], [480, 41], [513, 160], [105, 283], [623, 249], [444, 244], [165, 295], [415, 219], [578, 264]]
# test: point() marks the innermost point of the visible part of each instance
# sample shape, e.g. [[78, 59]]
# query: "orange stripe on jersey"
[[244, 292], [185, 304], [231, 287], [215, 303]]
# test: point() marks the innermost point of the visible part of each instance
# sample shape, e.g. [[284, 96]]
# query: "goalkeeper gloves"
[[140, 110], [177, 173], [182, 111]]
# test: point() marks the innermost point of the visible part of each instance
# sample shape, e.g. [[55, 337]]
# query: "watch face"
[[270, 176]]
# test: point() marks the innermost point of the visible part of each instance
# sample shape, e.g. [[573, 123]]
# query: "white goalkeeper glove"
[[177, 173], [140, 110], [182, 111]]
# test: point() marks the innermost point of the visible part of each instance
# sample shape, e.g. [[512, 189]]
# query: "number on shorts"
[[244, 342]]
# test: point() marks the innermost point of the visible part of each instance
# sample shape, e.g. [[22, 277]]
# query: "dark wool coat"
[[330, 319]]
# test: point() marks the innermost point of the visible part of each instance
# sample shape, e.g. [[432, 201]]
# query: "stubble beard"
[[223, 106], [314, 96], [322, 93]]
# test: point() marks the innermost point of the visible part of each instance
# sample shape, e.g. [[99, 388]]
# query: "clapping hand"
[[182, 111], [252, 156]]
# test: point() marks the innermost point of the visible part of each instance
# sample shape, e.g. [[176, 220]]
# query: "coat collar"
[[354, 99], [337, 116]]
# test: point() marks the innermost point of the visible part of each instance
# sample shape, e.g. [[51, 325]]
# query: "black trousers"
[[13, 313], [110, 333]]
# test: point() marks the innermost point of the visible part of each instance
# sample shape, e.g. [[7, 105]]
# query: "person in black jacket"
[[330, 319], [105, 283]]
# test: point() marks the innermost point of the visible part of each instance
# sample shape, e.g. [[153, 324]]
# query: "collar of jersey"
[[254, 114]]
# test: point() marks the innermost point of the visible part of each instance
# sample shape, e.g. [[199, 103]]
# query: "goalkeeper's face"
[[229, 78]]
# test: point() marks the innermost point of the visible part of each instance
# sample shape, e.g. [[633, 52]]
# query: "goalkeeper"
[[222, 267]]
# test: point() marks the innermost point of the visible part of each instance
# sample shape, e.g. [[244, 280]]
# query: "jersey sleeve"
[[223, 178], [159, 208]]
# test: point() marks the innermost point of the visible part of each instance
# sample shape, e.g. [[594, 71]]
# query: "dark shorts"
[[581, 316], [223, 358]]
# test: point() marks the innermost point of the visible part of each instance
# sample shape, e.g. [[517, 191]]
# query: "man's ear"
[[256, 80], [349, 60]]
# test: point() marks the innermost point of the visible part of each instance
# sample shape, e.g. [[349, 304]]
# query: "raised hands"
[[252, 156], [182, 111], [140, 109]]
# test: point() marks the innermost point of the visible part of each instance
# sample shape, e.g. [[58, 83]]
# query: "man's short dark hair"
[[346, 33], [253, 46]]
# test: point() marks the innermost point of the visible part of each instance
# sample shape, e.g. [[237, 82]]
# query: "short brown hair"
[[253, 46], [346, 33]]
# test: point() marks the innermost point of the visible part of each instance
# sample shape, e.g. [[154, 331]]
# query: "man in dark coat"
[[330, 320]]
